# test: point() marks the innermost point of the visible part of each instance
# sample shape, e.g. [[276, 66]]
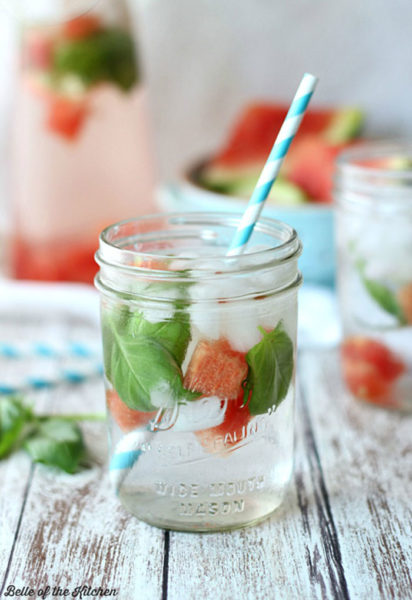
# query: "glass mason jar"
[[199, 356], [81, 157], [374, 240]]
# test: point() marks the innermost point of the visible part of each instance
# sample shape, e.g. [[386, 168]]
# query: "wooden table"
[[344, 530]]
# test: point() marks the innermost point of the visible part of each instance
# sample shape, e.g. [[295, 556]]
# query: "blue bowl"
[[313, 222]]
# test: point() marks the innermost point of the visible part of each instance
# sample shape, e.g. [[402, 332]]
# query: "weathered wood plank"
[[366, 462], [295, 554], [15, 479], [75, 533], [70, 531]]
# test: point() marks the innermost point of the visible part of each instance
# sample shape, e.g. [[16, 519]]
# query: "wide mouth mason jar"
[[199, 358], [374, 240]]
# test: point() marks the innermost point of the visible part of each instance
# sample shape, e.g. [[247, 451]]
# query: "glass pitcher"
[[81, 155]]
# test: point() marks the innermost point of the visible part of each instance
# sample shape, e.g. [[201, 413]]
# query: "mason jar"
[[199, 357], [81, 151], [374, 242]]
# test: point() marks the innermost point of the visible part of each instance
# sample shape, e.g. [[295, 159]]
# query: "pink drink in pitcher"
[[81, 155]]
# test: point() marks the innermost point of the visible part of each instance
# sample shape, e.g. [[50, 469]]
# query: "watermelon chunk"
[[216, 370], [357, 349], [81, 27], [126, 418], [370, 369], [242, 157], [231, 431], [66, 116]]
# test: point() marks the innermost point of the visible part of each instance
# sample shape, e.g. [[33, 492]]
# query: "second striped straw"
[[272, 167]]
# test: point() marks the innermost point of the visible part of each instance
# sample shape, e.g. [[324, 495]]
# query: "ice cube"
[[240, 327], [206, 319], [164, 309], [161, 396]]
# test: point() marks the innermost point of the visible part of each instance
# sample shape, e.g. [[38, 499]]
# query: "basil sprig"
[[107, 55], [14, 416], [52, 440], [270, 370], [56, 443]]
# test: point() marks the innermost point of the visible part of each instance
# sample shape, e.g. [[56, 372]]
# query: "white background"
[[205, 58]]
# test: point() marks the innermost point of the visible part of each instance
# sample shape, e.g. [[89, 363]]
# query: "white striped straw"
[[271, 169]]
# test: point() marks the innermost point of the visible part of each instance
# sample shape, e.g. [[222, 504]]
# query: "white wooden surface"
[[344, 531]]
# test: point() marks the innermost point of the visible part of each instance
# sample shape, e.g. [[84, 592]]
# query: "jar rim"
[[112, 253], [350, 160], [376, 171]]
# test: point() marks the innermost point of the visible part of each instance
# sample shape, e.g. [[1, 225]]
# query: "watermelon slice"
[[311, 166], [243, 155], [216, 370]]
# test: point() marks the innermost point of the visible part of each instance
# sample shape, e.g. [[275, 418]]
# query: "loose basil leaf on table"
[[56, 443], [381, 294], [14, 415], [270, 370]]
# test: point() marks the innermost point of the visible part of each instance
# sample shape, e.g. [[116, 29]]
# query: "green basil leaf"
[[381, 294], [107, 55], [385, 298], [13, 417], [57, 443], [141, 365], [114, 319], [270, 370], [174, 334]]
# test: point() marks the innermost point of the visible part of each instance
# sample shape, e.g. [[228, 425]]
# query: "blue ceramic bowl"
[[313, 222]]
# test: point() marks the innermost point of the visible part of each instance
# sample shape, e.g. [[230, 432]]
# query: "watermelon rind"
[[345, 125]]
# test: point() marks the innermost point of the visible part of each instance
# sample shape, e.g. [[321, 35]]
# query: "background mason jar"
[[81, 156], [199, 362], [374, 242]]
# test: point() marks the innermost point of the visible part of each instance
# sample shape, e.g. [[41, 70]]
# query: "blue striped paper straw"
[[271, 169], [128, 449], [39, 382], [48, 350]]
